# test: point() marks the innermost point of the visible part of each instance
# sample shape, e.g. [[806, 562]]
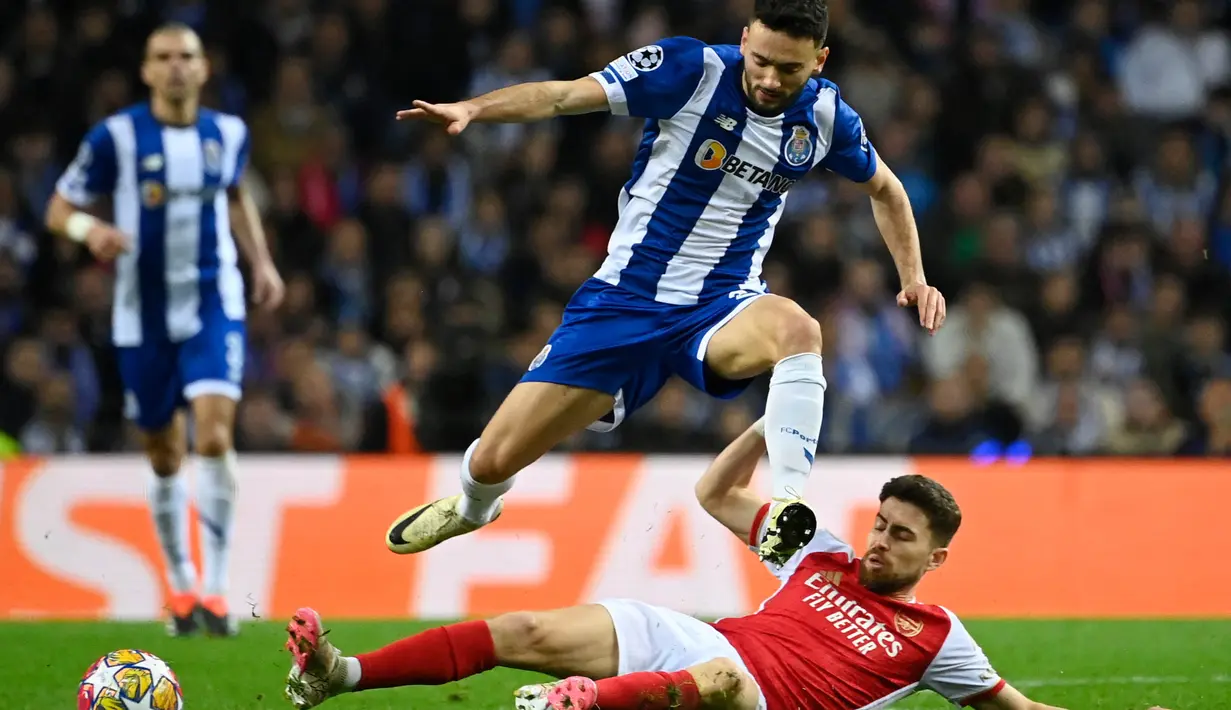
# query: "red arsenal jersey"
[[824, 642]]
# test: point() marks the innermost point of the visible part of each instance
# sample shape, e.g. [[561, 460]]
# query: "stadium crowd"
[[1067, 162]]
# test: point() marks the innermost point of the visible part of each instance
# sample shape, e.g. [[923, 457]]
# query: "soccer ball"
[[129, 680]]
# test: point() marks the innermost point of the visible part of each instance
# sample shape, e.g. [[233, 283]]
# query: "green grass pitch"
[[1125, 665]]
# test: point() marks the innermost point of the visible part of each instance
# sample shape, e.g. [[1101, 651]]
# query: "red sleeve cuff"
[[985, 695], [755, 533]]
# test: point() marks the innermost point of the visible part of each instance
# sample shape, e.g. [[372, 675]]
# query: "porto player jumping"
[[728, 130], [842, 632]]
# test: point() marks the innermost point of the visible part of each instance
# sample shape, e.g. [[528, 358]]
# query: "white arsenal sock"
[[793, 421]]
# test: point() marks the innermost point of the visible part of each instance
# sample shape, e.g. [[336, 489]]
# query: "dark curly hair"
[[936, 502], [803, 19]]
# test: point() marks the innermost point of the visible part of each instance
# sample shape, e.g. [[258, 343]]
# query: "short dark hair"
[[936, 502], [166, 28], [172, 26], [804, 19]]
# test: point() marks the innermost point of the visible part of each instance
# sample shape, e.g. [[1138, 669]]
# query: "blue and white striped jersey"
[[168, 188], [710, 179]]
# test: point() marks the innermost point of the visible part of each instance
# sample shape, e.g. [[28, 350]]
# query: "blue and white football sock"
[[168, 500], [478, 501], [793, 413], [216, 487]]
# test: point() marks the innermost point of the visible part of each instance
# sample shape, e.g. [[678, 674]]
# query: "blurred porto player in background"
[[729, 129], [172, 172], [841, 633]]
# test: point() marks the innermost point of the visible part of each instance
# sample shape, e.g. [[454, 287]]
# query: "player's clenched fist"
[[105, 241], [267, 286]]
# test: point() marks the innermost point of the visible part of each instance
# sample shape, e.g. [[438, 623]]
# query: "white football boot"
[[428, 525]]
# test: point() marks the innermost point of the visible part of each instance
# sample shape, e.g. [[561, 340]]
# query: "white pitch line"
[[1118, 680], [1095, 682]]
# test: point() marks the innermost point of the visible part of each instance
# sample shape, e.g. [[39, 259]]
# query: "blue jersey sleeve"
[[655, 81], [236, 147], [241, 158], [850, 154], [93, 172]]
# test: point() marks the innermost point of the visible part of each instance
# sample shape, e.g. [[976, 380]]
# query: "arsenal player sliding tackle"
[[842, 632]]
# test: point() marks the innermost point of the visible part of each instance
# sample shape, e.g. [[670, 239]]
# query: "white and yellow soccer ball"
[[130, 679]]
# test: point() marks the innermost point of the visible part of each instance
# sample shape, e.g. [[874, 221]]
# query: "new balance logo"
[[726, 123]]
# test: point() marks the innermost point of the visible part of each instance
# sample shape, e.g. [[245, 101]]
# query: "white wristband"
[[759, 426], [78, 225]]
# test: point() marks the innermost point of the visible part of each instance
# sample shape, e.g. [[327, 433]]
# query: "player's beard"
[[781, 101], [886, 585]]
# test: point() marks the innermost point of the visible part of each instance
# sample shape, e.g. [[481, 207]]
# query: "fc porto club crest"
[[799, 149]]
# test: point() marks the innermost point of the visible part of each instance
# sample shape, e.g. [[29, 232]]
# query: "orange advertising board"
[[1097, 538]]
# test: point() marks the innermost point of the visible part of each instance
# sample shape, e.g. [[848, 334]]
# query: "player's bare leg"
[[577, 640], [534, 418], [717, 683], [774, 332], [168, 499], [213, 421]]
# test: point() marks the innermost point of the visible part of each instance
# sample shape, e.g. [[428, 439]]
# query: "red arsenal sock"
[[650, 690], [434, 657]]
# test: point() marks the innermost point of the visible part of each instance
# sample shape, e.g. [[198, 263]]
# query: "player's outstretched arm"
[[896, 221], [724, 491], [520, 103]]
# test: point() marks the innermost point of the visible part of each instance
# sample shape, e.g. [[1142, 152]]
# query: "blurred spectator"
[[346, 272], [1003, 262], [1168, 67], [13, 305], [1213, 436], [1149, 428], [873, 346], [952, 425], [1115, 352], [672, 423], [16, 225], [1071, 412], [68, 354], [1056, 313], [1038, 155], [360, 370], [323, 421], [437, 181], [25, 372], [1086, 199], [980, 324], [283, 128], [1176, 186], [53, 429]]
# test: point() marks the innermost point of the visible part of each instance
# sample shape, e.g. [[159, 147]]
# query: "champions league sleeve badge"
[[647, 58], [798, 150]]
